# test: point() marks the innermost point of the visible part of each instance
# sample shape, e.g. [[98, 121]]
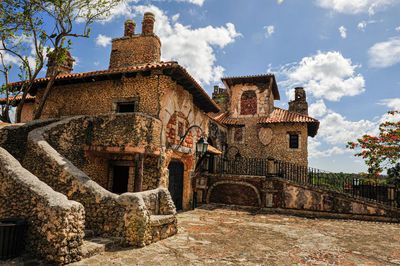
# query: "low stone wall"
[[55, 224], [107, 214], [13, 137], [277, 193]]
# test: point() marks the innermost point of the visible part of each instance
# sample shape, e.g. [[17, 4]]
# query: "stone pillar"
[[130, 26], [148, 23], [271, 167]]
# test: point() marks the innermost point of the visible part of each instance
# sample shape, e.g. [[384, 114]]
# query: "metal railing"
[[351, 184], [242, 166]]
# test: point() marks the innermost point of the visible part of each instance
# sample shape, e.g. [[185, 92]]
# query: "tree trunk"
[[45, 95]]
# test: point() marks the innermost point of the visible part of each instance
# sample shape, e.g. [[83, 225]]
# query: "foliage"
[[393, 175], [382, 151], [30, 30]]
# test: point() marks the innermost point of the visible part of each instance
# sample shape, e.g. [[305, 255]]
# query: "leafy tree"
[[393, 175], [382, 151], [45, 28]]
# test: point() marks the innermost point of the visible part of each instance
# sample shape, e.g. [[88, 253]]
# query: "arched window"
[[248, 103]]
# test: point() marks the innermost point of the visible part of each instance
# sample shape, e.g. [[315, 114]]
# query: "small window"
[[294, 141], [125, 107]]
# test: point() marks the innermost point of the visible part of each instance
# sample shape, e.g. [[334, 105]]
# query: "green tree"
[[45, 28], [393, 175], [380, 152]]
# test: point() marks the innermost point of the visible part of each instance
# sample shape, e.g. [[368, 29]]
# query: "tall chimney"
[[130, 26], [148, 23], [136, 49], [299, 105]]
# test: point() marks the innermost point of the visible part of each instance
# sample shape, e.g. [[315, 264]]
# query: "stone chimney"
[[136, 49], [130, 26], [64, 68], [148, 23], [299, 105]]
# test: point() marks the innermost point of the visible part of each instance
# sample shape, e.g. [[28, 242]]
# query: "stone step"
[[96, 245]]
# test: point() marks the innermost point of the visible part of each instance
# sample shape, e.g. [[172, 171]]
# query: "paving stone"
[[222, 235]]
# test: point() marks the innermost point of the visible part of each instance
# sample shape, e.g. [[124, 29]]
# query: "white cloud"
[[325, 75], [393, 103], [385, 54], [195, 2], [362, 25], [9, 59], [269, 30], [343, 32], [335, 129], [315, 152], [103, 40], [126, 8], [192, 48], [397, 28], [317, 109], [356, 6]]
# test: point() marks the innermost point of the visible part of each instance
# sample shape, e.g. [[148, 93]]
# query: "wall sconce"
[[201, 145]]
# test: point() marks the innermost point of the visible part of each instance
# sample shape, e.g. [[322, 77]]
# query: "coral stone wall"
[[93, 98], [107, 214], [92, 144], [264, 101], [178, 110], [278, 147], [136, 49], [55, 224], [13, 137], [27, 112], [274, 192]]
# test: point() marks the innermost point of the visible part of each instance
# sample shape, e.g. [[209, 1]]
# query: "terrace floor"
[[223, 235]]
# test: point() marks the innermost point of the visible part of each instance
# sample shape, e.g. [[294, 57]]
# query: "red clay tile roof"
[[223, 118], [200, 97], [17, 99], [284, 116], [230, 81]]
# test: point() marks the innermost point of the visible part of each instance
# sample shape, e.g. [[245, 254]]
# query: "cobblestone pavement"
[[229, 236]]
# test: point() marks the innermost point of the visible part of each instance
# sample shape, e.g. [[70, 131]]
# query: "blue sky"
[[345, 53]]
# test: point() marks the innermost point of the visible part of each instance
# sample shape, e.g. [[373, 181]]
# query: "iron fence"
[[351, 184], [242, 166]]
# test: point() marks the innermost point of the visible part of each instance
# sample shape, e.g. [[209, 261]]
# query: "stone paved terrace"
[[221, 235]]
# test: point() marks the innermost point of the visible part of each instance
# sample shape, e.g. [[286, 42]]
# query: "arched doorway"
[[175, 185]]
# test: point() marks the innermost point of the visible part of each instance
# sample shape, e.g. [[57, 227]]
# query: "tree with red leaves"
[[380, 152]]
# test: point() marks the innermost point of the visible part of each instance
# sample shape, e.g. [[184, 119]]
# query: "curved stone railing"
[[55, 224], [107, 214], [13, 136]]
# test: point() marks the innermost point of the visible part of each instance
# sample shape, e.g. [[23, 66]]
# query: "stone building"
[[136, 81], [259, 129]]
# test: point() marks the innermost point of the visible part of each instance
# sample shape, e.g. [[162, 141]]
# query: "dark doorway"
[[175, 186], [120, 179]]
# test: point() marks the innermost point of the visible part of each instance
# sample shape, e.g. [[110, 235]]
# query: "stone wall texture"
[[107, 214], [133, 50], [55, 224], [277, 193], [13, 137], [94, 98]]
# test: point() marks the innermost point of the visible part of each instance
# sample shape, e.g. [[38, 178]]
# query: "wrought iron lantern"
[[201, 145]]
